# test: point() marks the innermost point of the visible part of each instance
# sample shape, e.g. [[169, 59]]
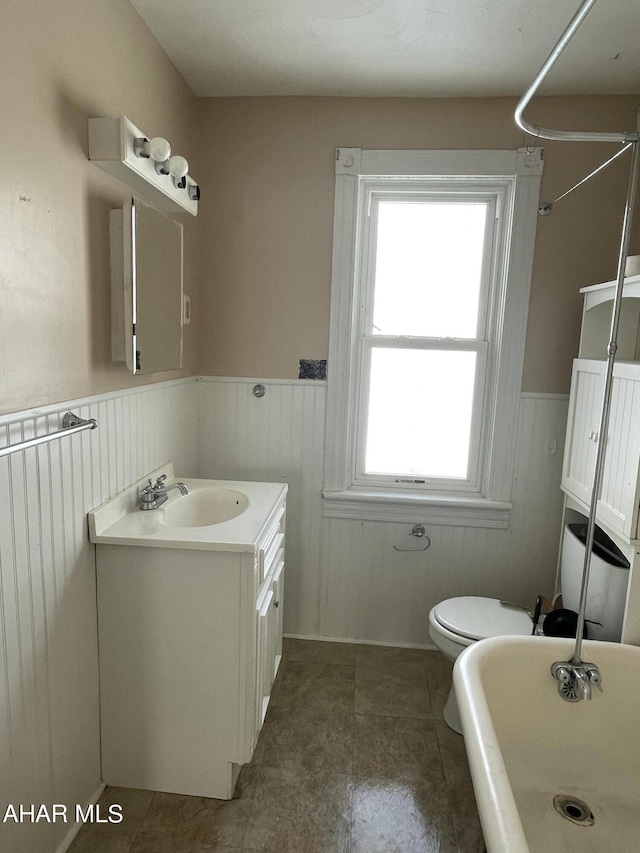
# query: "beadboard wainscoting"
[[344, 578], [49, 715], [276, 438]]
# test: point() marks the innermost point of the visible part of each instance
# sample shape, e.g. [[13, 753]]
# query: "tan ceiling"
[[395, 48]]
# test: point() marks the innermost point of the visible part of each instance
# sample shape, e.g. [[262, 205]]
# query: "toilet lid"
[[478, 618]]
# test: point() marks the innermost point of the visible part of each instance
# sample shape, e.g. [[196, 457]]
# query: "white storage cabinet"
[[190, 643], [619, 504]]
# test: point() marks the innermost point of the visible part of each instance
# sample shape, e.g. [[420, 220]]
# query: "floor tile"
[[466, 820], [439, 679], [115, 837], [396, 748], [386, 657], [317, 685], [314, 651], [402, 692], [182, 824], [300, 812], [97, 839], [135, 804], [454, 755], [353, 757], [308, 738], [401, 817]]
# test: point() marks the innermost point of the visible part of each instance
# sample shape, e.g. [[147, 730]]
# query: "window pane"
[[428, 268], [420, 411]]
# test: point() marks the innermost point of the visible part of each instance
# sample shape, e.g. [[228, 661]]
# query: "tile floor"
[[353, 758]]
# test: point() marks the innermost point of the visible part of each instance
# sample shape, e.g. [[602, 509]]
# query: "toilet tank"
[[608, 580]]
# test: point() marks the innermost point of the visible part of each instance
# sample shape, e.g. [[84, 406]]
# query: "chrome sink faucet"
[[575, 679], [154, 495]]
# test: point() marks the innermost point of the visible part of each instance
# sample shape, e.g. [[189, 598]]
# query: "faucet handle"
[[593, 674], [147, 497], [560, 671], [160, 480]]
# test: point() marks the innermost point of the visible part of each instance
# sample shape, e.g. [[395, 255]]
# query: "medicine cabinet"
[[146, 288]]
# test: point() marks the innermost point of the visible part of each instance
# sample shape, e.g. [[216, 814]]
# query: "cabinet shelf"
[[596, 320]]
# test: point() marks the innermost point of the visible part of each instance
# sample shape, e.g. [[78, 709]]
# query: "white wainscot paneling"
[[345, 580], [276, 438], [372, 592], [49, 723]]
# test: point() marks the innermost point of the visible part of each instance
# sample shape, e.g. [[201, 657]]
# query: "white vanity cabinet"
[[618, 507], [190, 639]]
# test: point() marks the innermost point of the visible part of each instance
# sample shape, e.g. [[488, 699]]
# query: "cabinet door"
[[620, 494], [269, 639], [269, 608], [265, 614], [585, 403], [278, 604], [618, 504]]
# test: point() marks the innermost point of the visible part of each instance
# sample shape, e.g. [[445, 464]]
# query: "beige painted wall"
[[266, 169], [61, 63], [267, 214]]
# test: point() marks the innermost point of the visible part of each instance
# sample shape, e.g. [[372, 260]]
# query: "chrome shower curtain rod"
[[575, 666], [565, 135]]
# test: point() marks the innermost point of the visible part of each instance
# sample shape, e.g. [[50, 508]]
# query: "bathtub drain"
[[573, 809]]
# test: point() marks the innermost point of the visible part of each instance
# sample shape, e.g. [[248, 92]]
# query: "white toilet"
[[456, 623]]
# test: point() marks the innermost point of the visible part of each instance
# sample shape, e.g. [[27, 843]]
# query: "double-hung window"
[[431, 272]]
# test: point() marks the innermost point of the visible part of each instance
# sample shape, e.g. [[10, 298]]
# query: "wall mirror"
[[146, 288]]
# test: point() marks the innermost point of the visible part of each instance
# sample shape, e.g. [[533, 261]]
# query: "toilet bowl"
[[456, 623]]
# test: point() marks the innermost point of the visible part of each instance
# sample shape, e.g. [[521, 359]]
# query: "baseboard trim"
[[65, 844], [428, 647]]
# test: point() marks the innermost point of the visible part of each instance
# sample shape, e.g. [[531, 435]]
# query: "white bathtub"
[[526, 745]]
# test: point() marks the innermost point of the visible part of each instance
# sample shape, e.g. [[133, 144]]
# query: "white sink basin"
[[204, 507], [219, 515], [527, 746]]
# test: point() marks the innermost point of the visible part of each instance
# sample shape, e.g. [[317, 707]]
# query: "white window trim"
[[490, 508]]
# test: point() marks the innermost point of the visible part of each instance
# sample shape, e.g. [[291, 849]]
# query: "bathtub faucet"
[[575, 679], [154, 495]]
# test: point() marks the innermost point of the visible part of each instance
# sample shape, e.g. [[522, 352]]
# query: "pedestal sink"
[[551, 776]]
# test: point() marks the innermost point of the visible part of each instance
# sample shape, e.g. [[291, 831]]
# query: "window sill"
[[450, 510]]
